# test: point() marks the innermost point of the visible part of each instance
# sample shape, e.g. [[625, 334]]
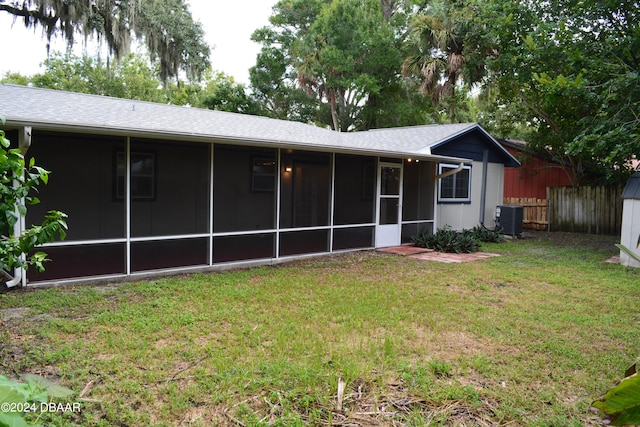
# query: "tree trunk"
[[387, 9], [334, 110], [342, 110]]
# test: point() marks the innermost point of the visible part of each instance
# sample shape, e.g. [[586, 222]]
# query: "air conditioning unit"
[[509, 217]]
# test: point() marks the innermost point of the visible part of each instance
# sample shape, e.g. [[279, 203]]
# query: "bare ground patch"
[[360, 404]]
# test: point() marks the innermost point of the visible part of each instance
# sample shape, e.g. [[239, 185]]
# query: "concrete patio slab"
[[405, 250], [431, 255], [452, 258]]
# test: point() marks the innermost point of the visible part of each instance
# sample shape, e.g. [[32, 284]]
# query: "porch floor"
[[431, 255]]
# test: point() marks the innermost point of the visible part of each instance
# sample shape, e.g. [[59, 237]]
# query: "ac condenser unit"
[[509, 217]]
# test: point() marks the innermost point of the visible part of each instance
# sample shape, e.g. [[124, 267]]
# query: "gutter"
[[235, 140]]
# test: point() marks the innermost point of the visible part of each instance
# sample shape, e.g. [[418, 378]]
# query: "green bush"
[[485, 235], [448, 240], [17, 180]]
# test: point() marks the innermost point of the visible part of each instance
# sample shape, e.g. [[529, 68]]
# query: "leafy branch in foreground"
[[27, 396], [621, 404], [17, 180]]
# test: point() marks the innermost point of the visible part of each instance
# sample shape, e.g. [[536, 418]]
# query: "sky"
[[227, 25]]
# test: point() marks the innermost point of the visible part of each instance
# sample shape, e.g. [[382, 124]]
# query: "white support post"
[[278, 185], [332, 200], [211, 175], [127, 202]]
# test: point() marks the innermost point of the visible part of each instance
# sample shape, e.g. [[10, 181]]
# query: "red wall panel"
[[533, 177]]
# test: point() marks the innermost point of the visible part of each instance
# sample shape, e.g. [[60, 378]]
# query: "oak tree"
[[165, 27]]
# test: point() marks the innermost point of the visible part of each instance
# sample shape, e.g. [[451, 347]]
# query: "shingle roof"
[[632, 189], [414, 139], [53, 109]]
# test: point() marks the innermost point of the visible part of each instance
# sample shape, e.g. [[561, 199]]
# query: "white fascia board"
[[424, 154]]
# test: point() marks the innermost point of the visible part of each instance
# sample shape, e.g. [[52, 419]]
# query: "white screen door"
[[389, 205]]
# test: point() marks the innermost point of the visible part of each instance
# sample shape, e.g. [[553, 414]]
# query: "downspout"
[[17, 272], [483, 192], [24, 143], [450, 172]]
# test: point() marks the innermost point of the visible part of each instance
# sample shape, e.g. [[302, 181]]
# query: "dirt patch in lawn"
[[451, 345], [359, 404], [593, 241]]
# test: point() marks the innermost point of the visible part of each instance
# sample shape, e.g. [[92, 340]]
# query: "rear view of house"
[[154, 189]]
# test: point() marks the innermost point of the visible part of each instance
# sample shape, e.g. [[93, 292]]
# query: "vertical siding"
[[630, 232], [533, 177], [595, 210]]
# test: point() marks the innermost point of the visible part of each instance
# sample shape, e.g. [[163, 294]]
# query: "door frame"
[[388, 234]]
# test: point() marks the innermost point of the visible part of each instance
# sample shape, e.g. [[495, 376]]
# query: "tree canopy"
[[165, 27], [564, 75], [447, 48], [134, 78], [571, 67], [344, 54]]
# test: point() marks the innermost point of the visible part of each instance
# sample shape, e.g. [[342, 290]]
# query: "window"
[[143, 170], [456, 187], [264, 174]]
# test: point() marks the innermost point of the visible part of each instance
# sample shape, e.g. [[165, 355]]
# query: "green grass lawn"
[[528, 338]]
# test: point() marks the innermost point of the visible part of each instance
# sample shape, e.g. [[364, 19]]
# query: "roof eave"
[[475, 126], [195, 137]]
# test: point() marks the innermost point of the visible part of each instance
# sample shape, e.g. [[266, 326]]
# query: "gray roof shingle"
[[53, 109], [632, 188]]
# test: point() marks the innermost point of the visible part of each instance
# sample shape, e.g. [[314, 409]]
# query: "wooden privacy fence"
[[594, 210], [534, 212]]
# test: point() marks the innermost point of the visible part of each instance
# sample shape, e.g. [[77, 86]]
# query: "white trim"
[[417, 221], [169, 237], [296, 229], [332, 199], [127, 203], [211, 204], [64, 243], [379, 197], [276, 249], [450, 171], [441, 175], [245, 233], [370, 224]]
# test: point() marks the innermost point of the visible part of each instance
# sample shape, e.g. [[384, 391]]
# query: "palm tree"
[[436, 45]]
